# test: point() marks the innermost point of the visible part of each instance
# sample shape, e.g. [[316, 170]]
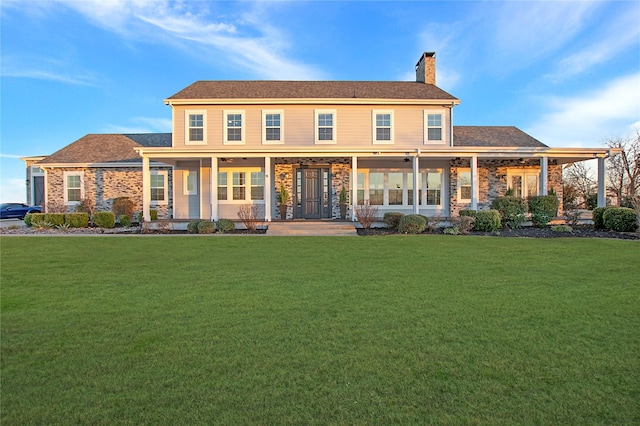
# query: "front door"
[[312, 193]]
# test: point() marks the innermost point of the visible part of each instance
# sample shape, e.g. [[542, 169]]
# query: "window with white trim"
[[524, 183], [325, 124], [233, 127], [272, 127], [190, 182], [434, 127], [73, 187], [382, 127], [464, 185], [241, 185], [395, 187], [158, 187], [195, 130]]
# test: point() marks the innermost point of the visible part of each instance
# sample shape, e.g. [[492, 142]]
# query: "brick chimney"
[[426, 68]]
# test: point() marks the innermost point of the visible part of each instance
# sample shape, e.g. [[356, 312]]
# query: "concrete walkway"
[[311, 228]]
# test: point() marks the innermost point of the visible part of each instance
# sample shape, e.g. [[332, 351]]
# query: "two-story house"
[[390, 144]]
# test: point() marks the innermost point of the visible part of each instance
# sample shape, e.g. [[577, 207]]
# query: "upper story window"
[[73, 187], [325, 126], [272, 127], [382, 127], [234, 127], [433, 127], [195, 128]]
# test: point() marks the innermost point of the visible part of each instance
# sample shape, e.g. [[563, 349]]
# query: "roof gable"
[[494, 136], [217, 90], [107, 148]]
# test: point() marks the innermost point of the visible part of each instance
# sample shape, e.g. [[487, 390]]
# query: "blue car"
[[17, 210]]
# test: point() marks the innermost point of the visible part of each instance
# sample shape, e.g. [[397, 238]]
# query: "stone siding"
[[102, 185], [283, 175]]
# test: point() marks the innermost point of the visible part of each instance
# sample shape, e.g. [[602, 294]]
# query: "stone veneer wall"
[[493, 182], [102, 185], [341, 175], [283, 175]]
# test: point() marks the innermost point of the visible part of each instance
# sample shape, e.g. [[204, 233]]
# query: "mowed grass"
[[375, 330]]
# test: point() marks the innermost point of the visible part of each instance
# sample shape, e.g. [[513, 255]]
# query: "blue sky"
[[566, 72]]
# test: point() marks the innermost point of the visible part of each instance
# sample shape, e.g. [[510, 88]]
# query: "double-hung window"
[[325, 124], [434, 127], [396, 187], [158, 186], [73, 187], [272, 127], [195, 128], [464, 185], [241, 185], [233, 127], [222, 186], [382, 127]]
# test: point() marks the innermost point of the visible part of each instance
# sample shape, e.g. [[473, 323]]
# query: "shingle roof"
[[107, 148], [493, 136], [311, 90]]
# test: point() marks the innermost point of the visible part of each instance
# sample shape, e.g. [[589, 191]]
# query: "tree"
[[579, 185], [623, 169]]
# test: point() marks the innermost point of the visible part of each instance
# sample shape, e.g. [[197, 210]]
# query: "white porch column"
[[267, 189], [416, 185], [213, 190], [146, 190], [354, 187], [544, 172], [602, 200], [475, 187]]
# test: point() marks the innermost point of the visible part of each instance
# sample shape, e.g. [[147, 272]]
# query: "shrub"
[[226, 225], [122, 206], [37, 218], [27, 219], [487, 221], [468, 212], [125, 220], [412, 224], [192, 227], [591, 202], [104, 219], [366, 214], [621, 219], [86, 205], [54, 219], [77, 220], [248, 214], [206, 227], [392, 219], [542, 208], [153, 213], [561, 228], [512, 210], [598, 220]]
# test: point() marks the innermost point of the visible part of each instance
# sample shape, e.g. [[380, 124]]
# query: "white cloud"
[[246, 40], [45, 69], [620, 35], [591, 118]]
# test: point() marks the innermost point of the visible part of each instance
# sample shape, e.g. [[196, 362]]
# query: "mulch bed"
[[527, 232]]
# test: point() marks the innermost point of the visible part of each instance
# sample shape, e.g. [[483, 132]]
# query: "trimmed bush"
[[122, 206], [468, 212], [206, 227], [621, 219], [412, 224], [125, 220], [104, 219], [37, 218], [226, 225], [487, 221], [55, 219], [392, 219], [512, 210], [542, 208], [561, 228], [192, 227], [598, 221], [77, 220], [27, 219]]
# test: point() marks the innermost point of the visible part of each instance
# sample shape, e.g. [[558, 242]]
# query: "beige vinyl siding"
[[353, 125]]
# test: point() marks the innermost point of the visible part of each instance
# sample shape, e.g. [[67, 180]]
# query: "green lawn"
[[319, 330]]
